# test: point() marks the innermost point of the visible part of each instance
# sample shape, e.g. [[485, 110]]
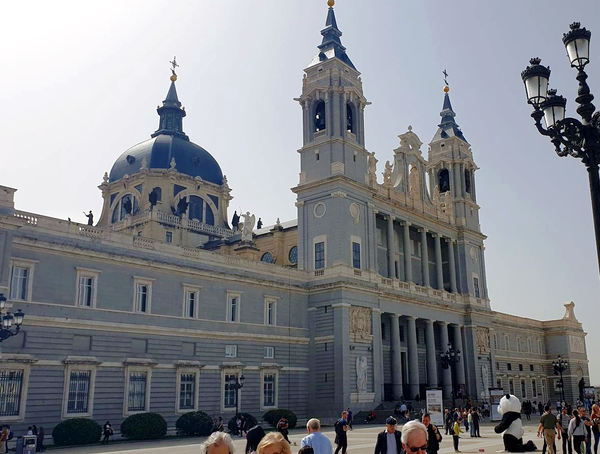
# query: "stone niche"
[[360, 324]]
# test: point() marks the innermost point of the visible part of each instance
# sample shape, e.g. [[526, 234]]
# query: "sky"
[[80, 82]]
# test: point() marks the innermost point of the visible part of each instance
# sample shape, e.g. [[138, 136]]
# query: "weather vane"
[[445, 73], [174, 65]]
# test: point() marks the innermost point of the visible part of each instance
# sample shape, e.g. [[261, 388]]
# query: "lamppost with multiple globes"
[[560, 365], [449, 359], [8, 320], [570, 136], [235, 383]]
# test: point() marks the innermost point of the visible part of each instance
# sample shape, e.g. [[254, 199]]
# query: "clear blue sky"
[[81, 81]]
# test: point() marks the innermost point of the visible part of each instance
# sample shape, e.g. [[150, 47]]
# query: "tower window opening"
[[350, 127], [319, 119], [444, 180], [468, 181], [158, 192], [317, 156], [128, 205]]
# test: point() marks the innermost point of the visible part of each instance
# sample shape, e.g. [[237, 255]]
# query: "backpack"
[[339, 429], [11, 434]]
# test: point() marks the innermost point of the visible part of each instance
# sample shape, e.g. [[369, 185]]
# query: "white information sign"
[[495, 396], [435, 406]]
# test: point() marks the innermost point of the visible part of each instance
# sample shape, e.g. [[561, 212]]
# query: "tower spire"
[[448, 127], [171, 113]]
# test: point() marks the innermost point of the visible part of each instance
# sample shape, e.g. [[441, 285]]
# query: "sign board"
[[495, 396], [589, 395], [435, 406]]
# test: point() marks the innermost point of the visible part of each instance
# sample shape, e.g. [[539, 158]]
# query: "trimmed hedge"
[[251, 422], [77, 431], [194, 423], [144, 426], [273, 417]]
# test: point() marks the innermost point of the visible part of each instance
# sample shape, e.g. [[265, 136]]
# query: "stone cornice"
[[16, 358], [145, 362], [90, 360]]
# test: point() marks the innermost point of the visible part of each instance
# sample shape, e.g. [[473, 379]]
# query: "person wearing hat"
[[389, 441]]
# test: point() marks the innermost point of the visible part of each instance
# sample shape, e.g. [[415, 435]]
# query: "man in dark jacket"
[[433, 435], [389, 441]]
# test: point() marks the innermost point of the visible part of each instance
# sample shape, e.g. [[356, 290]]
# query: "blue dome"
[[190, 159]]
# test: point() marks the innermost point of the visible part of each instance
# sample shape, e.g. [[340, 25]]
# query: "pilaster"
[[413, 357], [396, 356], [424, 258], [407, 252]]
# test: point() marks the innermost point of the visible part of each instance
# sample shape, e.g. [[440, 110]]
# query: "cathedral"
[[167, 305]]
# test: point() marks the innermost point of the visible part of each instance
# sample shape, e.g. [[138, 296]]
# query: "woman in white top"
[[577, 431]]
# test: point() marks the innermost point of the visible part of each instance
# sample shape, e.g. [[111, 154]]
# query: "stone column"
[[390, 247], [460, 366], [446, 373], [341, 355], [407, 253], [377, 355], [452, 264], [424, 258], [396, 356], [312, 350], [438, 262], [432, 379], [413, 357]]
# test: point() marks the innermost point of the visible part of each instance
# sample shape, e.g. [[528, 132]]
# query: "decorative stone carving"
[[483, 340], [576, 344], [319, 210], [372, 170], [360, 322], [249, 221], [172, 164], [570, 311], [361, 373], [387, 174], [355, 212], [436, 195], [413, 182], [473, 254], [485, 376], [144, 164], [105, 177]]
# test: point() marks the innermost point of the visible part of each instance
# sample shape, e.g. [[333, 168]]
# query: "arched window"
[[444, 180], [158, 191], [468, 180], [128, 205], [195, 208], [210, 217], [350, 118], [267, 257], [319, 119], [293, 255]]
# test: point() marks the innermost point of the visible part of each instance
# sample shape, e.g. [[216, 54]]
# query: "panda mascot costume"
[[511, 426]]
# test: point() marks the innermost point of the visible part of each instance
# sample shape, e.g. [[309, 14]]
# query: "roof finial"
[[330, 3], [447, 86], [174, 65]]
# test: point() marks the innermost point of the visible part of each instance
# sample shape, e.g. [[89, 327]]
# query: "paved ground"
[[360, 441]]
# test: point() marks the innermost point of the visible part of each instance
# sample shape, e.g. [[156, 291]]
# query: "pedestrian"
[[220, 425], [4, 439], [389, 441], [414, 438], [434, 437], [218, 443], [350, 418], [448, 421], [253, 438], [341, 437], [548, 426], [564, 420], [577, 432], [108, 431], [273, 443], [40, 440], [456, 433], [476, 418], [315, 439], [470, 424], [595, 418], [282, 428], [588, 429]]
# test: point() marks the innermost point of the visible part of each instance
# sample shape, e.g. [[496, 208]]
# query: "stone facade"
[[153, 308]]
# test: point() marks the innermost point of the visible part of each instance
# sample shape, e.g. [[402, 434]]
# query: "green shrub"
[[144, 426], [232, 424], [77, 431], [194, 423], [273, 417]]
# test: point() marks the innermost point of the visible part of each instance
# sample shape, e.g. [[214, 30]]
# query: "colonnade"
[[431, 358], [408, 272]]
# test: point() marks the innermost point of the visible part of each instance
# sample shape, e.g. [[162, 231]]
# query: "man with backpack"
[[341, 437]]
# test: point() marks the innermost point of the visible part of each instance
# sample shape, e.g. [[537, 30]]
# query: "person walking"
[[448, 422], [564, 421], [470, 423], [108, 431], [577, 432], [390, 440], [282, 427], [549, 426], [341, 437], [350, 418], [476, 419], [456, 433], [315, 439], [434, 437], [4, 439], [40, 440], [595, 418]]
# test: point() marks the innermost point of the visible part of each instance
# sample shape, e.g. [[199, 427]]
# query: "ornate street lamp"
[[580, 139], [8, 320], [449, 359], [560, 365], [234, 383]]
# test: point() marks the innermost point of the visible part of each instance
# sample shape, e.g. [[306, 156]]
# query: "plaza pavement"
[[360, 441]]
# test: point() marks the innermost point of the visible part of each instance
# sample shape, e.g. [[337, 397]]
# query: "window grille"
[[79, 391], [269, 390], [187, 391], [11, 384], [230, 391], [319, 255], [137, 391]]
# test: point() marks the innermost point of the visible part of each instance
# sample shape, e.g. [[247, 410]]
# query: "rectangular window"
[[270, 352], [509, 366], [11, 387], [521, 367], [230, 394], [531, 367], [498, 383], [356, 255], [495, 341], [169, 237], [137, 391], [142, 297], [518, 344], [534, 388], [506, 342], [511, 386], [529, 346], [539, 342], [269, 390], [86, 291], [187, 391], [476, 287], [233, 307], [79, 391], [191, 298], [19, 283], [230, 351], [523, 389], [319, 255]]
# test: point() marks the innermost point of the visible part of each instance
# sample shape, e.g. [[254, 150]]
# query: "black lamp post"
[[234, 383], [8, 319], [570, 136], [560, 365], [449, 359]]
